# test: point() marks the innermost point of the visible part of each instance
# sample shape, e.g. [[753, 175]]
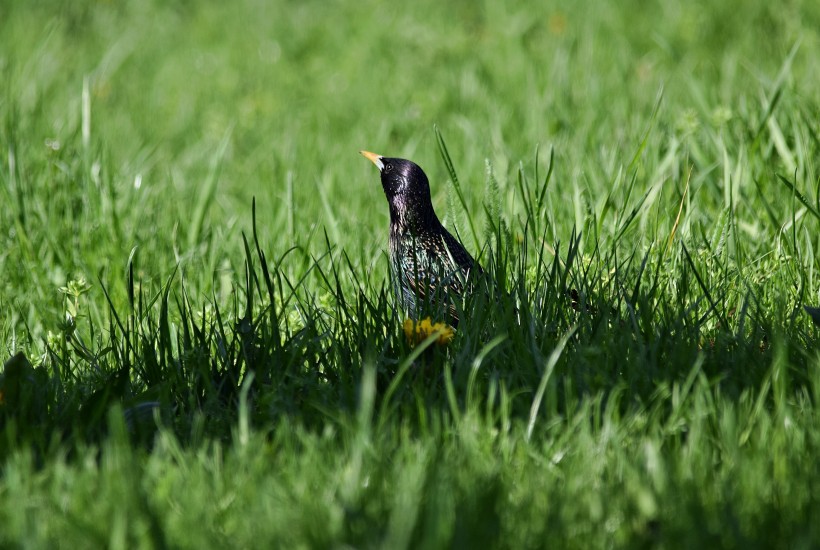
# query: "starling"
[[430, 268]]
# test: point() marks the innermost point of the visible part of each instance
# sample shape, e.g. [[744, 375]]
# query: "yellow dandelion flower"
[[409, 329], [445, 333], [418, 331]]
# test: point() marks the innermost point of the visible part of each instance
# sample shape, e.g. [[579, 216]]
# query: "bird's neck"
[[413, 221]]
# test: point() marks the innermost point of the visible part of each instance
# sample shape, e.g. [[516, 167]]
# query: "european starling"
[[430, 268]]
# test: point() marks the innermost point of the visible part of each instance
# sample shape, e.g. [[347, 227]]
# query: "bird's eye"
[[388, 167]]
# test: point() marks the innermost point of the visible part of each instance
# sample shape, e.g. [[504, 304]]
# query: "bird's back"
[[431, 270]]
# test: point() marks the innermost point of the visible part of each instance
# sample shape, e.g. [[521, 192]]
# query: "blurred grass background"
[[281, 96]]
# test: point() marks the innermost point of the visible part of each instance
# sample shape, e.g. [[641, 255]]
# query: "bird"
[[431, 270]]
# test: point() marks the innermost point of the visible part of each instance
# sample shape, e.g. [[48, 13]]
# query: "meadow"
[[201, 345]]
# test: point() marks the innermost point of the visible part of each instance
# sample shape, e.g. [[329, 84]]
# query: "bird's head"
[[406, 187]]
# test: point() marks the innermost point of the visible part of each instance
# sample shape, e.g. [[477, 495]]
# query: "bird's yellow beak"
[[374, 158]]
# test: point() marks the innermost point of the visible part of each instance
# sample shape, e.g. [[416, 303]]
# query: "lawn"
[[201, 345]]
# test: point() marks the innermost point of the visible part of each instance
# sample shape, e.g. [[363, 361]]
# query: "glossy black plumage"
[[431, 269]]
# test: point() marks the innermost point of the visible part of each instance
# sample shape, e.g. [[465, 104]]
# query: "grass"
[[203, 346]]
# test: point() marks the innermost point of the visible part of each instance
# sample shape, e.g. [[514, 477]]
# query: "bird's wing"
[[438, 272], [459, 255]]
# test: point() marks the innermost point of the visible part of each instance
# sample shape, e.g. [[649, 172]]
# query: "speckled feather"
[[430, 267]]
